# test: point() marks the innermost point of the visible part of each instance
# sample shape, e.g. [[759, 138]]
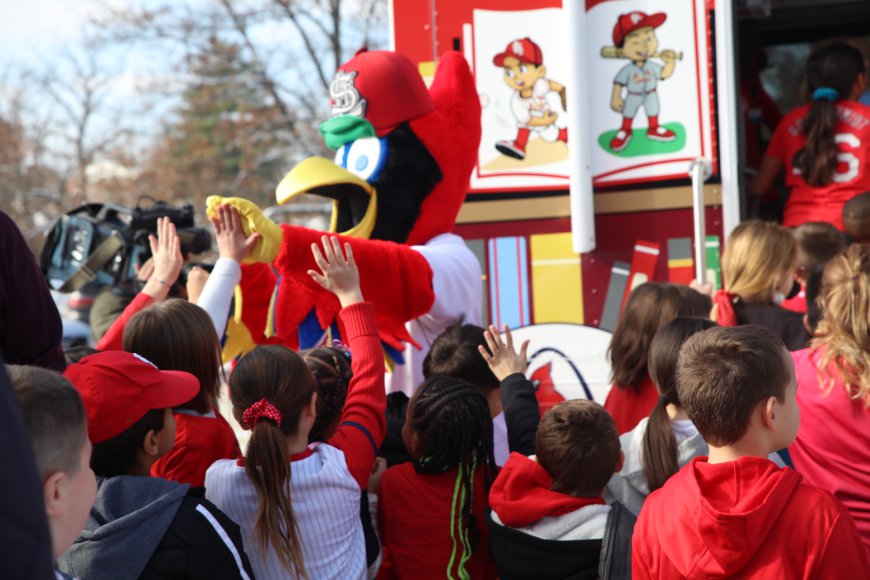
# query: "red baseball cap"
[[632, 21], [522, 49], [382, 87], [119, 388]]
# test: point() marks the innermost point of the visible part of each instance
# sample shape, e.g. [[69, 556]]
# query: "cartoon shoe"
[[511, 149], [620, 141], [660, 134]]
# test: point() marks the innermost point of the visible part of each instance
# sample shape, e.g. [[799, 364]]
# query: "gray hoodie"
[[129, 519], [629, 486]]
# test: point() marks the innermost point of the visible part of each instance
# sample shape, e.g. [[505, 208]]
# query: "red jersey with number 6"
[[852, 176]]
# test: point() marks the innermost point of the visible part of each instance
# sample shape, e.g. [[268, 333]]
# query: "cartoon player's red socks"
[[563, 135], [522, 138]]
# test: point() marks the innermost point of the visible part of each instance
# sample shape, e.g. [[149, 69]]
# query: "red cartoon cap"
[[522, 49], [632, 21], [119, 388], [382, 87]]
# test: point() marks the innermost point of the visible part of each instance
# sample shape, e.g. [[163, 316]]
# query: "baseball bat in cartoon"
[[614, 52]]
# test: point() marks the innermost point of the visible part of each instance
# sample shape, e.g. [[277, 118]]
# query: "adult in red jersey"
[[822, 145]]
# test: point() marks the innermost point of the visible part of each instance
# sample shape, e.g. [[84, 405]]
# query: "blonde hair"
[[757, 254], [844, 331]]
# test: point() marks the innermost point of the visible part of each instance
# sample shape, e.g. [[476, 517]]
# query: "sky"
[[34, 28]]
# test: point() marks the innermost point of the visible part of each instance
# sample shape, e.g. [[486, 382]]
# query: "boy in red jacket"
[[548, 518], [736, 514]]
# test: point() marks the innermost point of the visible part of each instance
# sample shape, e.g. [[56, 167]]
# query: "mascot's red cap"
[[383, 87]]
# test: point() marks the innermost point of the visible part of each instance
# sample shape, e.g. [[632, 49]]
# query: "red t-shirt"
[[805, 203], [414, 516], [629, 405], [832, 449], [199, 442]]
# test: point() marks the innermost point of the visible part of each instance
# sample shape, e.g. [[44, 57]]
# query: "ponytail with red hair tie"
[[724, 303], [262, 409]]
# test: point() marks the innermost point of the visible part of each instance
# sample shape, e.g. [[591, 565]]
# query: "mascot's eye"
[[522, 69], [340, 155], [510, 73], [365, 157]]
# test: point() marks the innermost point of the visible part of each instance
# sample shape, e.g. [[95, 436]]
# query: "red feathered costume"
[[406, 153]]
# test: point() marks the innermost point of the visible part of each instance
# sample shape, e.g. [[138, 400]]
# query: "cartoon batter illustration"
[[634, 38], [524, 72]]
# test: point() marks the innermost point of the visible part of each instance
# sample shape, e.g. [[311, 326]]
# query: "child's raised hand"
[[504, 360], [338, 273], [230, 235], [166, 252]]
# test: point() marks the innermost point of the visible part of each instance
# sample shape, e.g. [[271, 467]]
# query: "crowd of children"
[[734, 442]]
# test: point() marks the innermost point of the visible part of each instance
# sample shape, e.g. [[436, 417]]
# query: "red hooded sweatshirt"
[[744, 519]]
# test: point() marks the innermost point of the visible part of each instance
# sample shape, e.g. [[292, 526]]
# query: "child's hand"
[[503, 361], [340, 275], [230, 236], [549, 118], [166, 251], [378, 469]]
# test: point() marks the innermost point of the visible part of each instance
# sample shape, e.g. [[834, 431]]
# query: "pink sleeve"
[[113, 338], [363, 421]]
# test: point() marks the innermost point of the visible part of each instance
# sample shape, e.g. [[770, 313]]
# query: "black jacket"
[[147, 527]]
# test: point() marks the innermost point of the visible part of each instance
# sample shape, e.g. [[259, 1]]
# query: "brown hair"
[[55, 417], [578, 445], [454, 354], [724, 372], [817, 243], [836, 66], [280, 376], [856, 212], [649, 307], [844, 331], [660, 455], [757, 254], [330, 367], [179, 336]]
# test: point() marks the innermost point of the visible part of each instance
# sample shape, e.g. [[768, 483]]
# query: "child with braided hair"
[[331, 368], [298, 503], [432, 510]]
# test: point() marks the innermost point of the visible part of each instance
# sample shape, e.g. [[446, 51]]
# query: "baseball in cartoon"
[[634, 38], [533, 99]]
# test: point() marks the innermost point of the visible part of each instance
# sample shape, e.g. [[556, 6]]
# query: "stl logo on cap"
[[517, 48], [636, 17], [344, 96]]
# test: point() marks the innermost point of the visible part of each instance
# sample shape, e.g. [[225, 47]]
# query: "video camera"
[[106, 243]]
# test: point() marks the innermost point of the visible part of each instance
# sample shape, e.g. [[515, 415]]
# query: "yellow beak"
[[322, 177]]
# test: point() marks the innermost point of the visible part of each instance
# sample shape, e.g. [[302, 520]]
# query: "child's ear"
[[415, 444], [542, 71], [312, 406], [150, 444], [768, 413], [51, 494], [621, 463]]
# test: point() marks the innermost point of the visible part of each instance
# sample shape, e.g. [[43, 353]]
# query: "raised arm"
[[363, 422], [167, 259], [233, 247], [521, 411]]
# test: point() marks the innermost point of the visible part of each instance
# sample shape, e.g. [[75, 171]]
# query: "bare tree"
[[78, 88]]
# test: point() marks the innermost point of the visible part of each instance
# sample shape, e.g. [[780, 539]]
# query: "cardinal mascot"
[[403, 158]]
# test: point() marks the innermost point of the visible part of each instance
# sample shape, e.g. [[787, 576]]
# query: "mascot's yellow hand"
[[267, 247]]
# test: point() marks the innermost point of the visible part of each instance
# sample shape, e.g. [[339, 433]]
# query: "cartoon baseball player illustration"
[[524, 72], [634, 38]]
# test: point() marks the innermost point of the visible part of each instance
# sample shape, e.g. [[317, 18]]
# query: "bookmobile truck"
[[639, 177]]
